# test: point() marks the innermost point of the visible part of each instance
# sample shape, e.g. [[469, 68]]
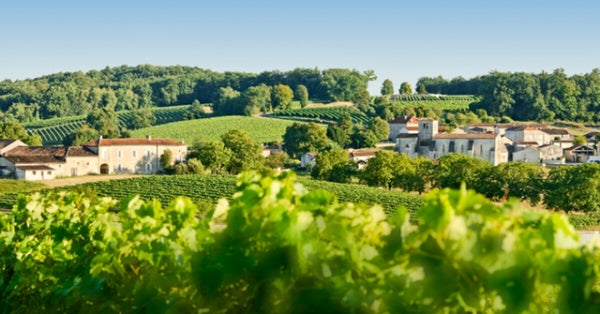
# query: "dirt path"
[[85, 179]]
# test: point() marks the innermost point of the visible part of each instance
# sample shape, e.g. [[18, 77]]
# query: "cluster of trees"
[[125, 87], [15, 131], [526, 96], [276, 248], [387, 89], [256, 99], [564, 188]]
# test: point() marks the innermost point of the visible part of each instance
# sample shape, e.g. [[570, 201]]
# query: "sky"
[[399, 40]]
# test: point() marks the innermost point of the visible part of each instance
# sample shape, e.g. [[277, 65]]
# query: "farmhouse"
[[104, 156], [403, 124], [430, 143], [361, 156]]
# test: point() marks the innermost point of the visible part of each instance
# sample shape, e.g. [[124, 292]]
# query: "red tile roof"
[[404, 120], [133, 141], [35, 167], [363, 153], [555, 131]]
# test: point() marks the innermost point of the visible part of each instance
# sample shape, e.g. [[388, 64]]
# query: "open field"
[[320, 114], [261, 130]]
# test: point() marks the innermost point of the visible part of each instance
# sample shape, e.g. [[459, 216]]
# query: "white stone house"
[[404, 124]]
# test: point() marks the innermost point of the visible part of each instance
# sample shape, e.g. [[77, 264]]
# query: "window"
[[104, 153], [120, 168], [120, 154], [33, 171], [49, 172], [134, 153], [148, 167], [148, 153]]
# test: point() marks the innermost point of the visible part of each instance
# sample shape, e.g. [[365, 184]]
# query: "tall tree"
[[213, 155], [334, 165], [380, 128], [301, 94], [245, 153], [15, 131], [387, 89], [282, 96], [406, 89], [301, 138]]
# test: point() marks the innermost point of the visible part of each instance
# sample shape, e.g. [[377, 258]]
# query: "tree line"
[[126, 87], [527, 96]]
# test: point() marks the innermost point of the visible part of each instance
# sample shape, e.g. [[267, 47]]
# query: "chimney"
[[148, 137], [99, 137], [182, 141]]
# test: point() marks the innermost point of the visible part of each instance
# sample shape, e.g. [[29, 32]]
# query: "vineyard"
[[261, 130], [53, 131], [213, 187], [451, 103], [322, 114]]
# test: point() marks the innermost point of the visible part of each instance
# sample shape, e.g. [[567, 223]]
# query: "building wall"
[[79, 166], [137, 158], [527, 155], [35, 175], [482, 148], [406, 146]]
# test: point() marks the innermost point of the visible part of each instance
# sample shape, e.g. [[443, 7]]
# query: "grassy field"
[[261, 130], [19, 186]]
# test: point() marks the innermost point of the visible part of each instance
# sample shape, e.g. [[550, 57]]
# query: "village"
[[494, 142]]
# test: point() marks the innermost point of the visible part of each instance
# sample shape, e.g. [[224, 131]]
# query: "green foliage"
[[142, 118], [15, 131], [166, 159], [334, 165], [574, 188], [320, 114], [380, 128], [405, 89], [212, 154], [261, 130], [227, 102], [301, 138], [19, 186], [387, 89], [105, 121], [282, 96], [579, 140], [301, 94], [277, 248], [255, 99], [277, 160], [195, 111], [80, 136], [455, 169], [245, 153], [516, 179], [338, 135]]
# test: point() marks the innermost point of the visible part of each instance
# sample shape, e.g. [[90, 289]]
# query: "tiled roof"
[[80, 151], [363, 153], [526, 143], [412, 128], [35, 167], [592, 134], [407, 135], [36, 154], [133, 141], [465, 136], [555, 131], [583, 147], [4, 143]]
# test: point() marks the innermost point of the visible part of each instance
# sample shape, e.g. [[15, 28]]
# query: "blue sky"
[[400, 40]]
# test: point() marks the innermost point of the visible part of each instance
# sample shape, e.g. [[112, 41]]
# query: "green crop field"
[[322, 114], [213, 187], [447, 102], [53, 131], [261, 130]]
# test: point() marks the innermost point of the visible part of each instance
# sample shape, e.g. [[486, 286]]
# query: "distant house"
[[308, 160], [271, 149], [550, 152], [528, 154], [361, 156], [409, 124], [104, 156], [579, 153]]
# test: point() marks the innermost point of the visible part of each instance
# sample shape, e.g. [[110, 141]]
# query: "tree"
[[195, 111], [195, 166], [406, 89], [573, 188], [105, 121], [228, 102], [301, 138], [338, 135], [256, 99], [380, 128], [80, 136], [301, 94], [166, 159], [245, 153], [277, 160], [213, 155], [379, 170], [513, 179], [15, 131], [455, 169], [142, 118], [579, 140], [364, 138], [421, 90], [281, 97], [388, 88], [423, 175], [334, 165]]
